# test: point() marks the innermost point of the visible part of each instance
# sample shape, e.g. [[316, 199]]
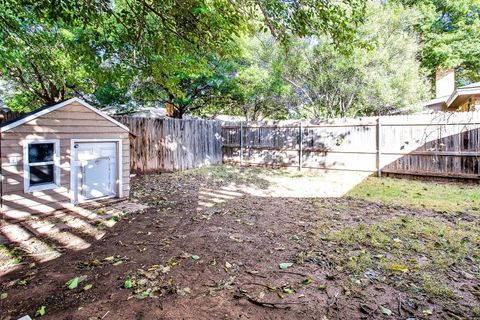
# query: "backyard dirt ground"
[[223, 243]]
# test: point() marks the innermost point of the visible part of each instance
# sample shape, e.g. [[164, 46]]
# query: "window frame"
[[56, 166]]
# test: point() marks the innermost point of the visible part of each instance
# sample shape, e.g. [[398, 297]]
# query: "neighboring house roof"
[[155, 112], [144, 112], [437, 101], [457, 97], [226, 117], [47, 109], [459, 93], [471, 85]]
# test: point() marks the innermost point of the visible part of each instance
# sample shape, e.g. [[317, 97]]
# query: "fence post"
[[300, 152], [241, 143], [379, 150]]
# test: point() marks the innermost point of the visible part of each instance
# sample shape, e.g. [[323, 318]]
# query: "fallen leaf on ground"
[[385, 310], [73, 283], [184, 291], [235, 239], [185, 255], [128, 283], [427, 312], [41, 311], [271, 287], [398, 267], [285, 265], [288, 290], [22, 282], [144, 294]]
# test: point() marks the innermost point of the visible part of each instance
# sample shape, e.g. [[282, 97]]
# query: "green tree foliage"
[[45, 61], [381, 78], [181, 50], [259, 92], [255, 88], [450, 34], [147, 50], [312, 78]]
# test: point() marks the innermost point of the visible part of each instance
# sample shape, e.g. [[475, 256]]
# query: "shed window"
[[42, 170]]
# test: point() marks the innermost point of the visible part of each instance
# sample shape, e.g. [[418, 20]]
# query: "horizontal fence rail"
[[439, 144], [171, 144]]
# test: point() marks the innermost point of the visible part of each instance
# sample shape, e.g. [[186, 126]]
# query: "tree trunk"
[[170, 109], [178, 113], [174, 111]]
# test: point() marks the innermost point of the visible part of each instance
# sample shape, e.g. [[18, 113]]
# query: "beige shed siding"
[[73, 121]]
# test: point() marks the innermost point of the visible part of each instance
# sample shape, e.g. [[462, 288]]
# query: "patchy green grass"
[[417, 252], [410, 193], [9, 257], [255, 176], [222, 174]]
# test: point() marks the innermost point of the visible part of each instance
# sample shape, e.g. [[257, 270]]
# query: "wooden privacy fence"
[[440, 144], [171, 144]]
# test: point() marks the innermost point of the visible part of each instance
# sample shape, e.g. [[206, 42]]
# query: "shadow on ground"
[[210, 246]]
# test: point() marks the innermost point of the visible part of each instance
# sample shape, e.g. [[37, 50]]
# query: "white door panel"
[[97, 170], [96, 178]]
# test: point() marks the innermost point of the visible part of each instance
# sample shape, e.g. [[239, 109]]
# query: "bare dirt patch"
[[206, 249]]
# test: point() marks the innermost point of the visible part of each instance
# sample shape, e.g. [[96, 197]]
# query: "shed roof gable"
[[42, 111]]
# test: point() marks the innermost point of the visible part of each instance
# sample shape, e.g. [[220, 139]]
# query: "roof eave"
[[462, 92], [58, 106]]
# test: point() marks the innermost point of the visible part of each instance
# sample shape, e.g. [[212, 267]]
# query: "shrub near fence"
[[440, 144], [171, 144]]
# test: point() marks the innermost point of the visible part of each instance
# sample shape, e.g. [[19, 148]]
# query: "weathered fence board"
[[440, 144], [171, 144]]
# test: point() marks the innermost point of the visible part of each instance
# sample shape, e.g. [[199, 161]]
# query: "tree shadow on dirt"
[[222, 260]]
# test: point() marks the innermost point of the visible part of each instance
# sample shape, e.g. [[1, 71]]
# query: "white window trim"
[[26, 166]]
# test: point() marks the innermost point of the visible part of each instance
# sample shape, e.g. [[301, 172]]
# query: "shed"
[[61, 155]]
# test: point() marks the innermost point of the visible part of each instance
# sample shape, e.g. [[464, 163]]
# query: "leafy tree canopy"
[[255, 89], [51, 50], [311, 78], [41, 57], [450, 33]]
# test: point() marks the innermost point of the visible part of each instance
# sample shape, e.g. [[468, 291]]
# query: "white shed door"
[[97, 172]]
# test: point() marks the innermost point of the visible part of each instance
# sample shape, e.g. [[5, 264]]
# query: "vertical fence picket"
[[439, 144], [171, 144]]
